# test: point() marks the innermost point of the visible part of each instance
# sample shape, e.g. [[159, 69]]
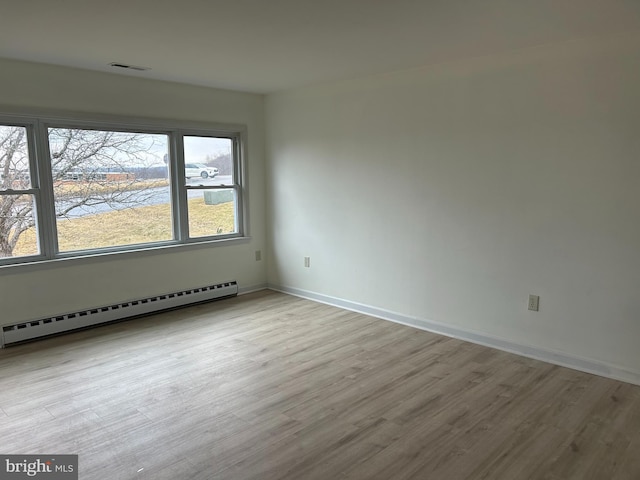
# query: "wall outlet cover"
[[534, 303]]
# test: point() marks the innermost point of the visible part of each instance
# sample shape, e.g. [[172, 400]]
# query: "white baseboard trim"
[[595, 367], [252, 288]]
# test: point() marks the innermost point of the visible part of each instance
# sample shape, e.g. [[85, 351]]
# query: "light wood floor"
[[269, 386]]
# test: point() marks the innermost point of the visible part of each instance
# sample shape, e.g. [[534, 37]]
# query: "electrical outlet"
[[307, 262], [534, 303], [258, 255]]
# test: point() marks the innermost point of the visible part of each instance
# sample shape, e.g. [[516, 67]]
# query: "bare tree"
[[222, 161], [89, 168], [16, 211]]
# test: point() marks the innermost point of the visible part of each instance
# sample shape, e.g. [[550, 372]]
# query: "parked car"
[[199, 170]]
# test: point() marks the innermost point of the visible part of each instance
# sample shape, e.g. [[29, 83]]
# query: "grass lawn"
[[133, 226], [69, 188]]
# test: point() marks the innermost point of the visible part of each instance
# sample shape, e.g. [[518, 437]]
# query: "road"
[[140, 198]]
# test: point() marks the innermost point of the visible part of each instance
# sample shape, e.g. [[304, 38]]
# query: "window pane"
[[208, 160], [17, 227], [111, 188], [211, 212], [14, 158]]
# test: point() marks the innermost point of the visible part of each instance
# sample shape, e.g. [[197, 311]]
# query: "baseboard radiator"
[[21, 332]]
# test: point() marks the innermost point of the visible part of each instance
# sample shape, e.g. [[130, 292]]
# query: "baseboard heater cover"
[[23, 331]]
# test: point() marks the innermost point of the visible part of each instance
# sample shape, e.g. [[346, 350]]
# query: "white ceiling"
[[271, 45]]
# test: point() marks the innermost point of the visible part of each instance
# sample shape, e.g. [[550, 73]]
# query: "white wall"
[[65, 286], [448, 194]]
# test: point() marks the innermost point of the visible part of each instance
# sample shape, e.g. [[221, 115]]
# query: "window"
[[110, 188], [70, 188], [18, 230], [211, 191]]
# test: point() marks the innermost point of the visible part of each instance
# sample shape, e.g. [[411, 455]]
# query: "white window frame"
[[42, 180]]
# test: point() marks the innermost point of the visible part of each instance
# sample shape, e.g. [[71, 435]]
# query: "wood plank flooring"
[[270, 386]]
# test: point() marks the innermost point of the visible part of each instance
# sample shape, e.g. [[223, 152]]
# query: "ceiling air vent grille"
[[128, 67]]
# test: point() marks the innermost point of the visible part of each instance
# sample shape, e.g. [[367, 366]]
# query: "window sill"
[[99, 257]]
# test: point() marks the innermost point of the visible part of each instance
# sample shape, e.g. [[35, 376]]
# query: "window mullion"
[[46, 212], [239, 185], [178, 190]]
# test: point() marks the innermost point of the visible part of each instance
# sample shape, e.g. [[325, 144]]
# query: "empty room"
[[350, 239]]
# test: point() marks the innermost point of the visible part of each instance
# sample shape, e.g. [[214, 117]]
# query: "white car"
[[199, 170]]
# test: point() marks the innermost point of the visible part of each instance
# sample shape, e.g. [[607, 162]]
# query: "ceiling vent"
[[128, 67]]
